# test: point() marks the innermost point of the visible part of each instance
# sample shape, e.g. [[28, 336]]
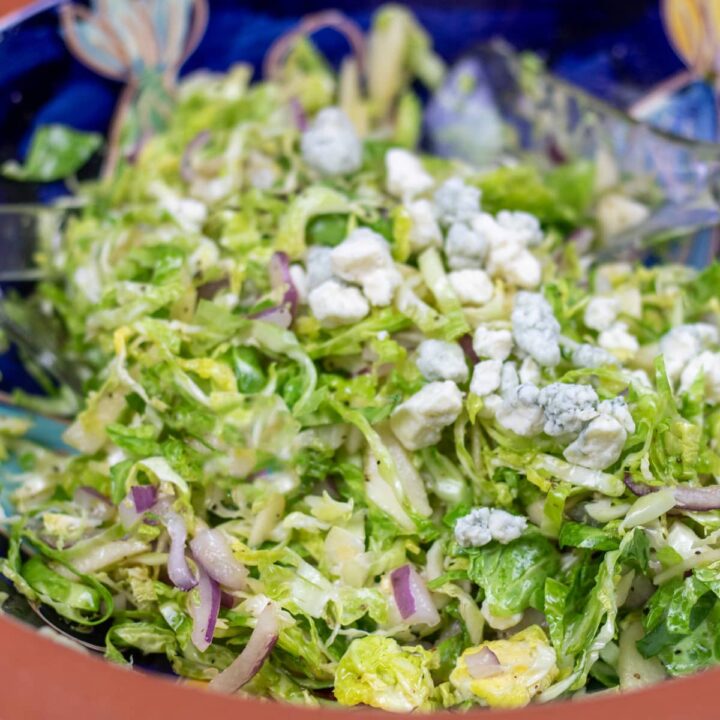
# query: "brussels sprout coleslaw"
[[363, 426]]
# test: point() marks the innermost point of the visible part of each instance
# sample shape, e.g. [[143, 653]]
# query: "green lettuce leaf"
[[513, 576], [581, 611], [560, 197], [56, 152], [584, 536]]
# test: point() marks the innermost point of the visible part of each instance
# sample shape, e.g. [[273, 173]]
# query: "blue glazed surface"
[[617, 49]]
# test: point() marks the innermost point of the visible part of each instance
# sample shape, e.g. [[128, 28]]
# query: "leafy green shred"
[[561, 196], [56, 152]]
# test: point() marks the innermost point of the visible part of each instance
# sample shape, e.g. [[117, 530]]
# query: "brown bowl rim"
[[43, 680]]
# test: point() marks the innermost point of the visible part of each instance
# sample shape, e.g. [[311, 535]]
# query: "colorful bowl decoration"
[[143, 45]]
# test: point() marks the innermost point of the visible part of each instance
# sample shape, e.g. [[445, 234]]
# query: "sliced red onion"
[[404, 599], [227, 600], [280, 277], [127, 514], [251, 659], [140, 499], [205, 614], [209, 290], [483, 664], [178, 569], [197, 143], [143, 497], [280, 316], [582, 238], [637, 488], [466, 343], [692, 498], [299, 115], [94, 502], [412, 597], [212, 549], [686, 498]]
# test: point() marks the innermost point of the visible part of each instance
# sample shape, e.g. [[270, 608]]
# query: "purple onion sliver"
[[280, 277], [700, 499], [206, 613], [143, 497], [280, 316], [488, 656], [227, 600], [251, 659], [177, 565], [404, 599], [209, 290], [269, 647], [214, 610], [686, 498], [483, 664], [412, 597], [127, 514], [279, 269], [197, 143], [637, 488], [299, 115], [466, 344], [212, 549]]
